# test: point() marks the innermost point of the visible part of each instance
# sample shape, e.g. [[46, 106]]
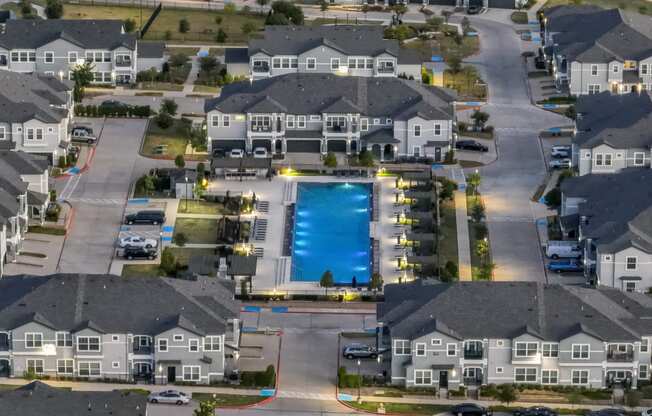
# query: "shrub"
[[345, 380], [178, 59], [184, 25], [451, 269], [169, 106], [221, 36], [168, 262], [180, 239], [130, 25], [330, 160], [54, 9], [218, 20], [553, 198], [447, 188]]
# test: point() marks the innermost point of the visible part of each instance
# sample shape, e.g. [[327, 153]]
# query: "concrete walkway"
[[463, 242], [202, 216], [194, 70]]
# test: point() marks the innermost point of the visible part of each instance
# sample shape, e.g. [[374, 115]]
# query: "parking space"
[[368, 366], [39, 255], [483, 158], [552, 145], [257, 351]]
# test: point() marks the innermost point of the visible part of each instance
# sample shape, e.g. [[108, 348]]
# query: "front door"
[[5, 370], [443, 379], [437, 154], [172, 374]]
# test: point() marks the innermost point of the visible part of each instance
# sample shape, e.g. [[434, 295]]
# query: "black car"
[[471, 145], [146, 217], [113, 106], [470, 409], [134, 253], [473, 10], [535, 411], [540, 62]]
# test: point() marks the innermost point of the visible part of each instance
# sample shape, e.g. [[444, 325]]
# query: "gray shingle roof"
[[348, 39], [241, 265], [38, 399], [552, 312], [236, 56], [150, 49], [316, 93], [88, 34], [24, 97], [112, 304]]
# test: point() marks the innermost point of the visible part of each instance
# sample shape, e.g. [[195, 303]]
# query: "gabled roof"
[[151, 50], [24, 97]]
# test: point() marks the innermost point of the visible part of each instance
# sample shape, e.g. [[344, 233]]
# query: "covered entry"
[[381, 144], [303, 146], [5, 368], [264, 143], [337, 146]]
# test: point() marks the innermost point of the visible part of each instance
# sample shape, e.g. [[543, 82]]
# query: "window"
[[435, 341], [335, 63], [364, 124], [301, 122], [420, 349], [402, 347], [49, 74], [34, 366], [64, 339], [644, 69], [23, 56], [107, 56], [315, 118], [526, 349], [72, 57], [294, 63], [550, 350], [594, 88], [525, 375], [190, 373], [65, 366], [33, 340], [193, 345], [311, 64], [500, 343], [630, 263], [615, 68], [370, 64], [276, 63], [285, 63], [388, 121], [34, 134], [290, 122], [3, 133], [215, 121], [417, 130], [639, 158], [226, 120], [645, 345], [376, 121], [48, 57], [549, 376], [115, 338], [178, 337], [422, 377], [115, 364], [88, 343], [451, 350], [580, 377], [630, 287], [416, 151], [437, 129], [594, 70], [212, 343], [162, 344], [642, 372], [603, 159], [499, 370], [87, 369], [580, 351]]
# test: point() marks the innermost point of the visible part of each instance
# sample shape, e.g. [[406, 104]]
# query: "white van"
[[563, 249]]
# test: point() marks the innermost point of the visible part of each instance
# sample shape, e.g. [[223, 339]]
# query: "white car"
[[260, 153], [560, 164], [646, 412], [136, 241], [169, 396], [236, 153], [560, 151]]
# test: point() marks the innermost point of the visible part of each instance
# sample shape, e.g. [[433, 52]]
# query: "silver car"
[[137, 241], [560, 164], [169, 397]]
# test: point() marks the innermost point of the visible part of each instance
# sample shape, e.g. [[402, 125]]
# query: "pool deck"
[[273, 272]]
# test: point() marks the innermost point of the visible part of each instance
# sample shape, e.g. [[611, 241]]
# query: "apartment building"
[[355, 50], [24, 197], [610, 216], [55, 47], [440, 336], [322, 113], [35, 113], [100, 327], [593, 50], [612, 132]]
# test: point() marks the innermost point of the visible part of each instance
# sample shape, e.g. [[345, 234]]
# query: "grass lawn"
[[141, 270], [519, 17], [197, 230], [182, 254], [205, 89], [160, 86], [46, 230], [467, 83], [190, 206], [640, 6], [191, 51], [487, 135], [228, 400], [156, 136], [448, 243], [402, 408]]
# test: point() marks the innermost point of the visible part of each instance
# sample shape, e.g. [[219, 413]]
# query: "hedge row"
[[141, 111], [265, 378], [345, 380]]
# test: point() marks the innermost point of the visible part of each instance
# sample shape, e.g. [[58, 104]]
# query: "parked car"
[[534, 411], [646, 412], [133, 253], [146, 217], [470, 409], [113, 105], [471, 145], [563, 249], [539, 62], [473, 9], [169, 396], [352, 351], [86, 127], [236, 153], [560, 164], [607, 412], [82, 135], [137, 241], [565, 266], [260, 153], [560, 151]]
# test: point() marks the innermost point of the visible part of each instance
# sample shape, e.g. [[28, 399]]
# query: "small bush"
[[164, 120]]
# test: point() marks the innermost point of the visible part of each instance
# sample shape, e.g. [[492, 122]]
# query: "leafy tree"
[[221, 36], [179, 162], [323, 6], [248, 28], [26, 9], [178, 59], [366, 158], [201, 172], [164, 120], [330, 160], [54, 9], [482, 248], [447, 189], [169, 106], [450, 269], [376, 282], [571, 112], [168, 262], [474, 180], [479, 118], [507, 394], [275, 19], [455, 63], [82, 75], [435, 23], [148, 184], [130, 25], [486, 271], [553, 198], [206, 408], [399, 32], [184, 25], [326, 281], [208, 63], [262, 4], [180, 239], [292, 12], [477, 212]]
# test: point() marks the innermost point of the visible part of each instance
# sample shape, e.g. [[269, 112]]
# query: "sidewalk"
[[463, 243]]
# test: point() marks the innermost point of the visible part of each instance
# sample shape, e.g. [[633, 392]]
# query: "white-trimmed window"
[[594, 70], [500, 343], [23, 56], [215, 120], [285, 63], [33, 340], [3, 133], [289, 123], [88, 343], [550, 350], [549, 376], [335, 64], [370, 63], [499, 370], [66, 366], [226, 120], [420, 349], [34, 366], [615, 68], [580, 377], [422, 377], [594, 88], [580, 351], [88, 369], [162, 344], [437, 129], [72, 57], [526, 349], [191, 373], [34, 134], [115, 364], [631, 263], [364, 124], [451, 350], [435, 342], [639, 158], [603, 159], [315, 118], [301, 122], [177, 337], [417, 130], [294, 63], [311, 64], [644, 69], [48, 57], [212, 343], [64, 339], [402, 347], [193, 345], [643, 373], [276, 63], [645, 345], [388, 121], [416, 151], [115, 338], [376, 121], [49, 74], [525, 375]]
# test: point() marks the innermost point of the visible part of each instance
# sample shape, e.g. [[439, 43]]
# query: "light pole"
[[186, 189], [359, 381]]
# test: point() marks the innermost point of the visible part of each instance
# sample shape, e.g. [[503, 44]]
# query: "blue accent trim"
[[436, 58], [472, 33], [280, 309], [436, 166], [542, 221], [345, 397], [125, 228], [138, 201], [542, 200], [268, 392], [251, 308], [550, 106], [166, 239], [168, 228], [249, 329], [555, 130], [370, 330], [471, 103], [202, 54], [461, 186]]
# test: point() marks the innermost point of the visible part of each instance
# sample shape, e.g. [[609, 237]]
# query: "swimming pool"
[[331, 232]]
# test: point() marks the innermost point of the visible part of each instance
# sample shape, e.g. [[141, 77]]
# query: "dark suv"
[[132, 253], [470, 409], [146, 217], [534, 411]]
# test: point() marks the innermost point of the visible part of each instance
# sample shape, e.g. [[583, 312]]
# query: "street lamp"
[[359, 381], [186, 189]]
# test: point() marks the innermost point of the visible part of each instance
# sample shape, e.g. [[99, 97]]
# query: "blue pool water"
[[331, 232]]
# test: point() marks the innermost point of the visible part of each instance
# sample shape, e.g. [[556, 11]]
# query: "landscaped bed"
[[141, 270], [228, 400], [640, 6], [198, 206], [182, 254], [171, 138], [448, 230], [478, 237], [197, 230], [401, 408]]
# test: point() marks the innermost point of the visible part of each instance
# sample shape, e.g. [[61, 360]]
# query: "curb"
[[68, 228]]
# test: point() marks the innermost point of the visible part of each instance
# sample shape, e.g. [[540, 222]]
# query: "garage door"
[[267, 144], [304, 146], [337, 145], [442, 2], [478, 3], [502, 4], [227, 145]]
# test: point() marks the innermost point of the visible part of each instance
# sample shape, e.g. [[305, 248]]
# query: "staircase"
[[262, 207], [259, 252], [260, 229]]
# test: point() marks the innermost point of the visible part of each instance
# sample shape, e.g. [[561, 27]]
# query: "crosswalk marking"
[[304, 395], [510, 219], [97, 201]]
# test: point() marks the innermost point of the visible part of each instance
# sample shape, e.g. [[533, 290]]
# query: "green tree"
[[571, 112], [454, 62], [447, 189], [553, 198], [206, 408], [149, 185], [262, 4], [482, 248], [180, 239], [179, 162], [208, 63], [323, 6], [486, 271], [292, 12], [326, 281], [477, 212], [221, 36], [169, 106], [434, 23], [168, 262], [248, 28], [399, 32], [507, 394], [366, 158], [178, 59], [479, 118], [54, 9], [26, 9], [474, 180], [399, 10], [376, 282], [450, 269], [276, 19], [164, 120], [82, 75], [330, 161], [184, 25], [201, 172], [130, 25]]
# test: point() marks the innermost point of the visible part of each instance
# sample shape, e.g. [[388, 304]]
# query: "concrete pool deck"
[[273, 271]]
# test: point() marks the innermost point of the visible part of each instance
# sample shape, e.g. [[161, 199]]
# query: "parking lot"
[[368, 366], [548, 142]]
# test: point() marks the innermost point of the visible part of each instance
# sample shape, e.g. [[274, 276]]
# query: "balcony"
[[385, 69], [473, 354], [142, 349], [124, 62], [260, 128], [620, 356], [260, 69]]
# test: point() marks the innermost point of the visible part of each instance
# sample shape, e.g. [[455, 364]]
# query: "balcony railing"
[[140, 349], [473, 354], [261, 128], [620, 356], [385, 69], [123, 62], [260, 69]]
